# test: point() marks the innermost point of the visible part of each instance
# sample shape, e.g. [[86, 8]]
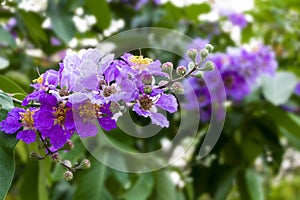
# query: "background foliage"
[[256, 156]]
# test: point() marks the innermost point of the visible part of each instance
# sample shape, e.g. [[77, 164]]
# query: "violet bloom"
[[20, 119], [54, 120], [147, 105], [238, 19], [87, 117], [235, 85]]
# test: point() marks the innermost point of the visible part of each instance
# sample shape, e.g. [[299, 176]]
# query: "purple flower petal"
[[28, 136], [167, 102], [159, 119]]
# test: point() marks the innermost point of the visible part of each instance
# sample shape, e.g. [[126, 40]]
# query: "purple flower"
[[238, 19], [88, 116], [55, 120], [146, 106], [235, 85], [20, 119]]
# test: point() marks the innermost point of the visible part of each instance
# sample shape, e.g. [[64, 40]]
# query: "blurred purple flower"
[[238, 19]]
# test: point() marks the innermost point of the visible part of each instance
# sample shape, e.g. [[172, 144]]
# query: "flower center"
[[60, 114], [140, 62], [89, 111], [38, 80], [145, 102], [109, 90], [27, 118]]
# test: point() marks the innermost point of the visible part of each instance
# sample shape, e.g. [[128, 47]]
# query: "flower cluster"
[[240, 69], [89, 88]]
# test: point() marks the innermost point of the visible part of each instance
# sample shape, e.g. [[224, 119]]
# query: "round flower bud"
[[209, 66], [177, 88], [181, 70], [85, 164], [204, 53], [209, 47], [56, 157], [147, 79], [69, 145], [147, 89], [167, 67], [192, 53], [68, 175], [34, 156], [198, 74]]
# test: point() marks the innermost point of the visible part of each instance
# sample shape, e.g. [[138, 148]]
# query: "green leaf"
[[29, 184], [255, 185], [9, 86], [90, 183], [289, 124], [32, 22], [61, 22], [7, 38], [225, 184], [193, 11], [7, 162], [6, 102], [44, 172], [141, 189], [164, 186], [278, 89], [100, 9]]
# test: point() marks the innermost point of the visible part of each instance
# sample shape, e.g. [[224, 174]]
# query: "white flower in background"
[[33, 5]]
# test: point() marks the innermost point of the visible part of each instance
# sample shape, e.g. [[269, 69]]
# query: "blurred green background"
[[257, 155]]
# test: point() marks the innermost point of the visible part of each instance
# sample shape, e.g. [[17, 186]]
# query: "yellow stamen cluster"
[[38, 80], [140, 62], [27, 118], [60, 114], [145, 102], [89, 111]]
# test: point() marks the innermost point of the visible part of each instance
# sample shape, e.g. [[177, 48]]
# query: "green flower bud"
[[167, 67], [56, 157], [198, 74], [35, 156], [177, 88], [68, 146], [204, 53], [192, 53], [147, 89], [181, 70], [85, 164], [208, 66], [68, 175], [209, 47]]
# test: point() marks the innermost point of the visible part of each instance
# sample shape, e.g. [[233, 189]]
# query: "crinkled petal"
[[159, 119], [136, 108], [167, 102], [28, 136], [107, 123]]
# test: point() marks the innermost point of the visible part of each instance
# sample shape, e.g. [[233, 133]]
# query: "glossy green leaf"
[[62, 22], [100, 9], [9, 86], [32, 23], [6, 102], [225, 184], [164, 186], [255, 185], [141, 189], [278, 88], [7, 38], [7, 162], [90, 183]]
